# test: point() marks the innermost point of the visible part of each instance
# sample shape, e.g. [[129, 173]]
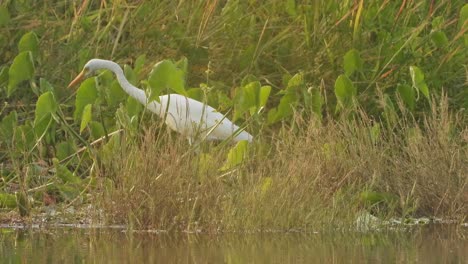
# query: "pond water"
[[98, 245]]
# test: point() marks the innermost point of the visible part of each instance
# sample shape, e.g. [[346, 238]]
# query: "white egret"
[[191, 118]]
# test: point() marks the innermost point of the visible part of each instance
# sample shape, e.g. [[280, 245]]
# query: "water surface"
[[74, 245]]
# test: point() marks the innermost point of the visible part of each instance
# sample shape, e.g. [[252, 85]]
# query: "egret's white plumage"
[[191, 118]]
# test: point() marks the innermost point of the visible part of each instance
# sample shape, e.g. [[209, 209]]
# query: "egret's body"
[[191, 118]]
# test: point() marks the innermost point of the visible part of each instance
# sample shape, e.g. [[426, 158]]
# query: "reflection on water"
[[63, 245]]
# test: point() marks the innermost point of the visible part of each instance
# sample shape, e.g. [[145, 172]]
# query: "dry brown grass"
[[306, 178]]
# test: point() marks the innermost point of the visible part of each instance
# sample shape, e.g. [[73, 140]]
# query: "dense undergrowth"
[[353, 106]]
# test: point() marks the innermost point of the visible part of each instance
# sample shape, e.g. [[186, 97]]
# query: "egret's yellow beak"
[[77, 79]]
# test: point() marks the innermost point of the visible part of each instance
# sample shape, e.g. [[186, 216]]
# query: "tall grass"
[[309, 177]]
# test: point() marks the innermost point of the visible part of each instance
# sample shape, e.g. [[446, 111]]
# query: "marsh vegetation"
[[354, 106]]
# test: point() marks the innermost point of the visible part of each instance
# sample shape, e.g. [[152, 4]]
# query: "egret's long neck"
[[133, 91]]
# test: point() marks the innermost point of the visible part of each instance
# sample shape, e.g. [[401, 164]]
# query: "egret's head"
[[88, 70]]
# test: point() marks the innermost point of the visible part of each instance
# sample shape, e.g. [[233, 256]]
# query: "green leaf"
[[22, 69], [439, 38], [29, 42], [317, 102], [417, 76], [133, 107], [139, 63], [352, 62], [4, 16], [344, 90], [97, 129], [86, 117], [263, 96], [45, 107], [115, 94], [236, 155], [166, 75], [7, 126], [296, 81], [407, 95], [63, 173], [195, 93], [7, 200], [290, 6], [64, 149], [86, 94]]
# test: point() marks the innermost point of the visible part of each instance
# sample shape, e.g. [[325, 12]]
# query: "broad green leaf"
[[344, 90], [352, 62], [7, 200], [86, 94], [96, 129], [22, 69], [183, 65], [249, 96], [296, 81], [263, 96], [29, 42], [195, 93], [407, 95], [130, 74], [417, 76], [139, 63], [64, 149], [290, 6], [236, 155], [63, 173], [69, 191], [4, 16], [284, 109], [115, 94], [45, 107], [439, 38], [317, 102], [166, 75], [133, 107], [86, 117], [7, 126]]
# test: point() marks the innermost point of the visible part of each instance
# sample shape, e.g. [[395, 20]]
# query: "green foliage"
[[7, 200], [166, 76], [265, 68], [86, 117], [352, 62], [406, 93], [86, 95], [46, 107], [7, 127], [29, 42], [22, 69], [236, 155], [417, 77], [4, 16], [344, 91]]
